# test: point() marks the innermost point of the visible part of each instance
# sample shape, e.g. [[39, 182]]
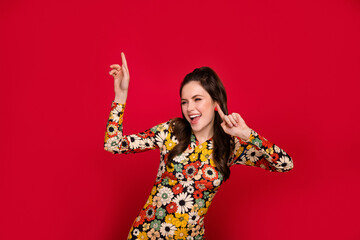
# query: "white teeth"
[[194, 116]]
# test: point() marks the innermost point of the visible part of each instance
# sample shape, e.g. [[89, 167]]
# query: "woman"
[[196, 153]]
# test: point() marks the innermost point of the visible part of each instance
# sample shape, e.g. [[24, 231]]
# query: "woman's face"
[[198, 108]]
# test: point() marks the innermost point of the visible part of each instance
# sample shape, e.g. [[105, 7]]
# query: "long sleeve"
[[258, 151], [116, 142]]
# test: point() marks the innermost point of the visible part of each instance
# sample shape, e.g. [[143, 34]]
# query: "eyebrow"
[[197, 95]]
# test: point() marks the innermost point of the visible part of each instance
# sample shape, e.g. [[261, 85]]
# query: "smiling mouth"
[[195, 118]]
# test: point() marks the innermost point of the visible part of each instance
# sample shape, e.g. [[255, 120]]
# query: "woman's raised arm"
[[115, 141], [251, 148]]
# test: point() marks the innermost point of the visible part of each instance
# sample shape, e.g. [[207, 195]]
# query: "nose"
[[191, 106]]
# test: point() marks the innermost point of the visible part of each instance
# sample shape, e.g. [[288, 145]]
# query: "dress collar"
[[194, 142]]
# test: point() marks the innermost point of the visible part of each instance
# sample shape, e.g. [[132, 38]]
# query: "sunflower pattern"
[[182, 194]]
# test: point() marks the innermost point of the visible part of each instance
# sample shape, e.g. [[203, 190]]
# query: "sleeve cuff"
[[255, 139], [252, 137], [119, 106]]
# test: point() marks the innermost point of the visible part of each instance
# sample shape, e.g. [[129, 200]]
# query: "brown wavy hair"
[[223, 144]]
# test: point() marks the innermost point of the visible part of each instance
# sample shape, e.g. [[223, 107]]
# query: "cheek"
[[208, 107], [210, 111], [183, 109]]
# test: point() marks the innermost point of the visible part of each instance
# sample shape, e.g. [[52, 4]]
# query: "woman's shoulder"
[[166, 127], [171, 124], [161, 127]]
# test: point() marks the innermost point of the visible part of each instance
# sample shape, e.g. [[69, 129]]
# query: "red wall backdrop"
[[291, 69]]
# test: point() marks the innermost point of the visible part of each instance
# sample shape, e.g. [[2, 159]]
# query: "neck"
[[204, 135]]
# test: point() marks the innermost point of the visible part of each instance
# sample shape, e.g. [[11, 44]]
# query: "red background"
[[291, 69]]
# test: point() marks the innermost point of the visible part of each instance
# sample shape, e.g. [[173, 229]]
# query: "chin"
[[196, 128]]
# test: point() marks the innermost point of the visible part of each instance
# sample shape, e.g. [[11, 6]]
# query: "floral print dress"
[[181, 195]]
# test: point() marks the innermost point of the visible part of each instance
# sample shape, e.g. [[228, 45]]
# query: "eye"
[[182, 103], [197, 99]]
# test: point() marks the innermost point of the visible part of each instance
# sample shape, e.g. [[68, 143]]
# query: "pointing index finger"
[[221, 113], [123, 59]]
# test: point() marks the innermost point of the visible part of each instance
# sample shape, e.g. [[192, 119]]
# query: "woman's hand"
[[234, 125], [121, 79]]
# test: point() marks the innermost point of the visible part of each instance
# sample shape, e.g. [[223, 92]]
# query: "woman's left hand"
[[234, 125]]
